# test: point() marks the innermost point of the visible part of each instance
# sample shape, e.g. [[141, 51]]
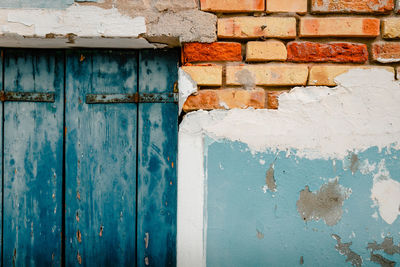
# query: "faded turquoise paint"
[[158, 127], [35, 3], [33, 156], [100, 160], [247, 227]]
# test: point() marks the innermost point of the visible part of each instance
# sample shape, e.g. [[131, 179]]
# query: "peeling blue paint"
[[249, 226]]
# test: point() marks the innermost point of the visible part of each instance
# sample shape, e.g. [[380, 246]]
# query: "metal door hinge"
[[132, 98], [26, 96]]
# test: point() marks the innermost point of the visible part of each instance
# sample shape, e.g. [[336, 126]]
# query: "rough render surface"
[[126, 24], [312, 124]]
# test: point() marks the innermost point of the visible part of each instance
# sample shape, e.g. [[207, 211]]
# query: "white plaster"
[[190, 214], [385, 193], [82, 21], [388, 60], [366, 167], [315, 122], [186, 85]]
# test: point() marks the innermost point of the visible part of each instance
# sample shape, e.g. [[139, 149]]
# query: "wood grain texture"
[[100, 160], [157, 154], [33, 154]]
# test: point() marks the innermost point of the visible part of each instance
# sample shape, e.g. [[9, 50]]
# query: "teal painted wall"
[[250, 225]]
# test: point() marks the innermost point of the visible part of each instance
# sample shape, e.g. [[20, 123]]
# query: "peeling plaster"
[[385, 193], [168, 23], [344, 249], [311, 122], [186, 87], [324, 204], [316, 122]]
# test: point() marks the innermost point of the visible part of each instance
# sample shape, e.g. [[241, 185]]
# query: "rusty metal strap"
[[27, 97], [131, 98]]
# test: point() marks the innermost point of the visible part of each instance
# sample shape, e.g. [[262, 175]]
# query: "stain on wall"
[[324, 204]]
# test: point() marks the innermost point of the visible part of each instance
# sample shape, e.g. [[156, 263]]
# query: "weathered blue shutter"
[[33, 158], [157, 152], [100, 160]]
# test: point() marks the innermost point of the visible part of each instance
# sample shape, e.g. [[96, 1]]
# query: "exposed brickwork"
[[272, 99], [253, 27], [205, 75], [267, 74], [232, 5], [270, 50], [339, 27], [325, 74], [298, 6], [219, 51], [385, 52], [225, 99], [330, 52], [353, 6], [391, 28], [256, 47]]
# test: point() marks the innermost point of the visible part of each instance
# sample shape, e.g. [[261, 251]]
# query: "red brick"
[[330, 52], [225, 99], [272, 96], [352, 6], [220, 51], [386, 52], [232, 5]]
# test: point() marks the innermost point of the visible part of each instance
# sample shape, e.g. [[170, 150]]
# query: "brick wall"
[[267, 47]]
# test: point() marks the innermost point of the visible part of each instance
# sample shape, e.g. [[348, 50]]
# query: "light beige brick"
[[391, 28], [273, 74], [298, 6], [271, 50], [205, 75], [253, 27], [398, 73], [339, 27], [325, 74]]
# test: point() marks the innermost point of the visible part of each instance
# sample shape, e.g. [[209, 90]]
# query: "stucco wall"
[[315, 182]]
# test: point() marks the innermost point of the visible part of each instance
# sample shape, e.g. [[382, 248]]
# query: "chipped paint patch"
[[270, 178], [387, 246], [344, 249], [385, 193], [324, 204]]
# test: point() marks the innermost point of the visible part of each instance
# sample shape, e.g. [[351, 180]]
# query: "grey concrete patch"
[[344, 249]]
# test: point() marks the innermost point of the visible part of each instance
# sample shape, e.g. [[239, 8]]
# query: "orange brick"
[[298, 6], [254, 27], [218, 51], [326, 74], [205, 75], [391, 28], [339, 27], [273, 101], [386, 52], [271, 50], [232, 5], [225, 99], [353, 6], [272, 74]]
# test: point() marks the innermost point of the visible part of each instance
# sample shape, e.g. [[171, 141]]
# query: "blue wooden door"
[[33, 159], [88, 184]]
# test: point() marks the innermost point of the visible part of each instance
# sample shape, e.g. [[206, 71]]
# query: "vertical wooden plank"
[[100, 160], [157, 156], [33, 154], [1, 145]]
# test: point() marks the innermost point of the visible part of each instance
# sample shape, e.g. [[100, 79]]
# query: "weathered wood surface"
[[100, 160], [158, 128], [33, 156]]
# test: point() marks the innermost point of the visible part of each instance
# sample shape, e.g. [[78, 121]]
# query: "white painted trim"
[[190, 218]]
